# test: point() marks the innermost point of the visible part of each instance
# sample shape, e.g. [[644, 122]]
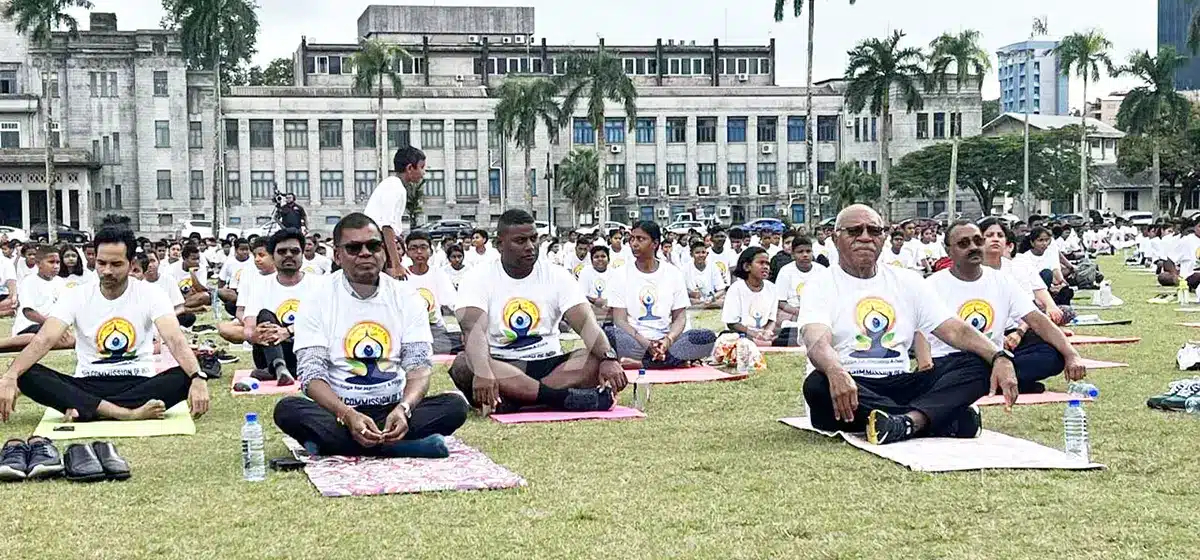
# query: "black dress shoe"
[[82, 464], [115, 466]]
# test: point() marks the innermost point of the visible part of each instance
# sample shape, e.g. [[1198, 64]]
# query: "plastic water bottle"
[[1192, 405], [216, 306], [1075, 431], [1181, 294], [245, 386], [254, 468], [641, 391], [742, 354], [1083, 389]]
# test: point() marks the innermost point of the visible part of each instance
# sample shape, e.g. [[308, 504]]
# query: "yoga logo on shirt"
[[598, 285], [185, 285], [367, 346], [618, 262], [724, 268], [578, 269], [430, 304], [520, 317], [237, 276], [875, 319], [286, 312], [647, 297], [115, 340], [977, 313]]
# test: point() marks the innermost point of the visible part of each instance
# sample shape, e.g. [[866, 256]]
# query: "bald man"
[[858, 323]]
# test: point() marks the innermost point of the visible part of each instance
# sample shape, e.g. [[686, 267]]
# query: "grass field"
[[710, 474]]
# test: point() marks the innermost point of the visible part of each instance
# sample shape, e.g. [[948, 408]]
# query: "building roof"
[[1109, 177], [1052, 122]]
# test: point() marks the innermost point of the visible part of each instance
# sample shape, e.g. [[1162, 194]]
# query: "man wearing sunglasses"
[[858, 324], [270, 312], [990, 300]]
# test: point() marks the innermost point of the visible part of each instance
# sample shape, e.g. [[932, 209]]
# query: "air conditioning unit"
[[673, 190], [743, 77], [735, 189], [768, 148], [520, 39], [849, 123], [596, 213], [703, 190], [643, 190], [615, 148], [473, 39], [506, 40], [764, 189], [822, 189], [632, 214], [663, 213], [723, 212], [459, 78]]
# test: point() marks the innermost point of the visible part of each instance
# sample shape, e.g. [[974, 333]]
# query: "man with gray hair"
[[858, 323]]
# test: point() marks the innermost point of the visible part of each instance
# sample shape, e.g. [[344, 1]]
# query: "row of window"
[[363, 134], [344, 65], [332, 184], [706, 130], [939, 125], [109, 200], [738, 213], [706, 174]]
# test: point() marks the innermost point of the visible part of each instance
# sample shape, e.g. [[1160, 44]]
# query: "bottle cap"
[[1073, 403], [641, 372], [251, 417]]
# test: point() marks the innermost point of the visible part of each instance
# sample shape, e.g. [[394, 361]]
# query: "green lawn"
[[709, 474]]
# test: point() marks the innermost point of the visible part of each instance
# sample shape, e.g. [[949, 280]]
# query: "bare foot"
[[152, 410], [70, 415]]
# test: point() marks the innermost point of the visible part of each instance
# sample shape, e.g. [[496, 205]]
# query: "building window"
[[494, 140], [466, 183], [10, 135], [922, 209], [614, 131], [118, 200], [165, 219], [364, 134], [107, 199], [1130, 200], [103, 84], [262, 133], [766, 174], [676, 130], [56, 135], [582, 132], [939, 126], [364, 184], [767, 128], [398, 134], [160, 83], [432, 134], [494, 183], [8, 81], [164, 184], [922, 126], [676, 174], [231, 134], [435, 183], [196, 185], [956, 125], [297, 183], [796, 129], [262, 185], [827, 128], [195, 135], [614, 177], [736, 129], [233, 186], [707, 175], [466, 134], [644, 130], [645, 175], [329, 134], [737, 174], [162, 134], [706, 130], [332, 187], [797, 174], [295, 134], [824, 171], [107, 149]]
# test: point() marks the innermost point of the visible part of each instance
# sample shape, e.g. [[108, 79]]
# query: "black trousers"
[[186, 319], [956, 381], [61, 392], [307, 422], [1035, 360], [264, 355], [445, 342]]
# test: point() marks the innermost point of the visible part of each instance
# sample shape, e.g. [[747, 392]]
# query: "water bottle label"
[[246, 461]]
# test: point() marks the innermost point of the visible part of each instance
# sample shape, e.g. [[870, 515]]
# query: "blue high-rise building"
[[1030, 76], [1174, 16]]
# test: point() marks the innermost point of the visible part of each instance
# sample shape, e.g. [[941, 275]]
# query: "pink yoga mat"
[[1035, 398], [164, 362], [1080, 339], [684, 375], [443, 359], [618, 413], [1101, 364], [264, 387]]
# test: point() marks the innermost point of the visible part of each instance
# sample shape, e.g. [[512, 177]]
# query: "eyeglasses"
[[293, 251], [356, 247], [857, 231], [967, 242]]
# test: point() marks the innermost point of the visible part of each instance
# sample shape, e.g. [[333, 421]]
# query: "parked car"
[[65, 233], [14, 234], [203, 229], [769, 224], [1073, 220], [684, 227], [605, 227], [543, 228], [1138, 218], [447, 228]]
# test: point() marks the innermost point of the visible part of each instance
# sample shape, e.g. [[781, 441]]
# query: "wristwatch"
[[1003, 353], [407, 409], [610, 356], [199, 374]]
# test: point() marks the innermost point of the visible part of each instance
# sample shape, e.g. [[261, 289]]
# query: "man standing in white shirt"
[[229, 279], [436, 290], [270, 314], [389, 202], [480, 251], [190, 274]]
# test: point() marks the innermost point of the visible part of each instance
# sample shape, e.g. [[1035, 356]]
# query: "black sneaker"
[[263, 375], [967, 424], [210, 366], [884, 428], [203, 328], [589, 400], [14, 460], [224, 357], [82, 464], [115, 466], [44, 459]]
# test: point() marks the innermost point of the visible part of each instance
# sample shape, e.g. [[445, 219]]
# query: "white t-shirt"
[[283, 301], [455, 276], [75, 280], [575, 264], [1047, 261], [724, 263], [170, 288], [320, 264], [618, 259], [38, 295], [436, 290], [1187, 251], [872, 320], [388, 203], [989, 304], [472, 256], [182, 277], [364, 337], [523, 315], [113, 337], [1021, 271], [906, 258], [22, 270], [708, 281], [233, 269], [595, 284], [931, 252], [790, 283], [7, 272], [649, 298], [749, 308]]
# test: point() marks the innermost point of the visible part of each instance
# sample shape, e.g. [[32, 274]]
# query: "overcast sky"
[[1130, 25]]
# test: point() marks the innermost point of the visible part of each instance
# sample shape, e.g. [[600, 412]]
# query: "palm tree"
[[37, 19], [373, 63], [579, 177], [598, 77], [876, 66], [1154, 109], [415, 203], [797, 8], [1086, 52], [850, 184], [523, 103], [968, 58]]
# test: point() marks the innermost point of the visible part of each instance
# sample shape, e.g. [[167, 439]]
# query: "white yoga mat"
[[991, 450]]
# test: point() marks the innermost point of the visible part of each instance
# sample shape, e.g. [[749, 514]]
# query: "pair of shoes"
[[95, 461], [884, 428], [588, 400], [225, 357], [203, 328], [209, 365], [283, 376], [36, 458], [1176, 395]]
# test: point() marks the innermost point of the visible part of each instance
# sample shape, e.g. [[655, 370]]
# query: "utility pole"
[[51, 205], [1026, 201]]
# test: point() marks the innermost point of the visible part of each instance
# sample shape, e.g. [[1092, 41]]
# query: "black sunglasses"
[[856, 231], [288, 251], [356, 247], [967, 242]]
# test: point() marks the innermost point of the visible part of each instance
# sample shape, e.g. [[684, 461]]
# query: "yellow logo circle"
[[977, 313], [286, 312], [520, 317], [367, 340], [116, 337], [874, 315]]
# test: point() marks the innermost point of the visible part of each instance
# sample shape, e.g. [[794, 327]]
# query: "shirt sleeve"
[[731, 311], [569, 293], [308, 327], [415, 319], [616, 290], [449, 296], [931, 309], [1019, 301], [773, 309], [782, 287], [65, 308], [472, 292], [158, 303], [681, 300], [816, 305]]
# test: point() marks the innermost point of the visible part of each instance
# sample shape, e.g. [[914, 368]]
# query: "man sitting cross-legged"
[[39, 291], [509, 309], [263, 265], [649, 302], [114, 319], [794, 276], [705, 283], [363, 348], [269, 315], [436, 289], [858, 324], [189, 272]]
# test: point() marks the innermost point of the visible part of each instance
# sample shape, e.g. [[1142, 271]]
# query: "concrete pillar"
[[448, 156], [314, 163], [25, 209], [280, 165], [85, 201], [244, 165], [348, 163]]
